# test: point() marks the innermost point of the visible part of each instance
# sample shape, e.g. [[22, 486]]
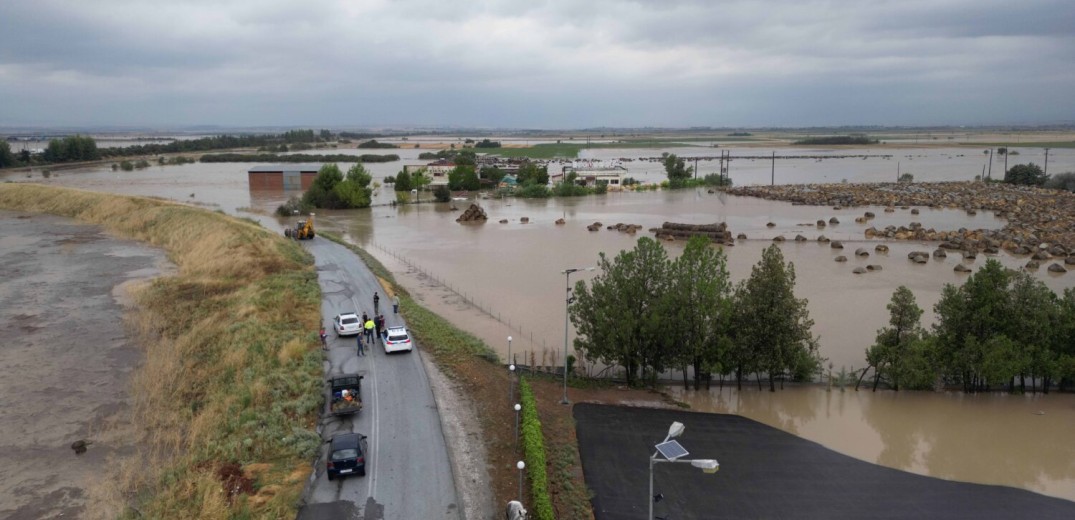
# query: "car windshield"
[[349, 321], [344, 454], [398, 337]]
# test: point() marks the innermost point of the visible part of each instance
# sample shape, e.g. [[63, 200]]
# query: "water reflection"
[[1011, 440]]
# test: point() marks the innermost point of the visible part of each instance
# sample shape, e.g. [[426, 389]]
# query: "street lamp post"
[[521, 465], [706, 465], [511, 383], [567, 316], [510, 361], [517, 407]]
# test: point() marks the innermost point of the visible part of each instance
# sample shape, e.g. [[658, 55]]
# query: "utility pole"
[[695, 168], [989, 175], [1046, 162], [1005, 162], [897, 171], [772, 171]]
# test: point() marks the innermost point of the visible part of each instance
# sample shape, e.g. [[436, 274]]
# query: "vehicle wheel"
[[362, 472], [330, 477]]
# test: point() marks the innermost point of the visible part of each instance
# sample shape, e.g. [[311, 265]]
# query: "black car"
[[346, 455]]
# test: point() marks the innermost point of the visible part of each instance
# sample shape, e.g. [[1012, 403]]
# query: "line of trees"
[[297, 158], [648, 314], [998, 329], [72, 148]]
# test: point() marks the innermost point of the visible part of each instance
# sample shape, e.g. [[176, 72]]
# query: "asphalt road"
[[408, 473], [768, 473]]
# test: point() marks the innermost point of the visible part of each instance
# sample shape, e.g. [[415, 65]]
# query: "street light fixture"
[[567, 315], [672, 451]]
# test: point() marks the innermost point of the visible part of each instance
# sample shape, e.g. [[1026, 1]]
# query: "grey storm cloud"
[[551, 64]]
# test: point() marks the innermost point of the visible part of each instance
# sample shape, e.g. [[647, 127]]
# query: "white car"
[[347, 324], [396, 339]]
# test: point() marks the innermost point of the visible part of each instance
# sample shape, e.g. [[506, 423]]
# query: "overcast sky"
[[536, 64]]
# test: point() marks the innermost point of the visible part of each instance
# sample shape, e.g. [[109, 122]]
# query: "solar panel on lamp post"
[[673, 451]]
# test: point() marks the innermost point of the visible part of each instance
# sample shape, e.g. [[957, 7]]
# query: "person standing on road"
[[379, 323], [324, 338], [376, 301], [395, 305], [369, 330], [361, 348]]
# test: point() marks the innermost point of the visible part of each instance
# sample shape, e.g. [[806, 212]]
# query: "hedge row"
[[534, 453]]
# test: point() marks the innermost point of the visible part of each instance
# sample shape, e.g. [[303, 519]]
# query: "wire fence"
[[515, 326]]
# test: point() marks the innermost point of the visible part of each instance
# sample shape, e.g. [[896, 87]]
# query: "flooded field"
[[65, 360], [512, 274]]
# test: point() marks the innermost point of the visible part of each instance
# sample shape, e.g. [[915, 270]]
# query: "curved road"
[[408, 473]]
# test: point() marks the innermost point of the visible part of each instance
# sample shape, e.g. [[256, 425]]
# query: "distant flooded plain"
[[513, 272]]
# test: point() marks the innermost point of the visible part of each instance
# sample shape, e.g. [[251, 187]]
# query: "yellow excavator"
[[302, 230]]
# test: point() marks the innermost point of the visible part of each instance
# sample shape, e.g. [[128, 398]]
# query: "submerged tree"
[[698, 306], [772, 327], [618, 316], [893, 343]]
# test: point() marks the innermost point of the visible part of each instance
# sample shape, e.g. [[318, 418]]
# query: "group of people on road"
[[370, 325]]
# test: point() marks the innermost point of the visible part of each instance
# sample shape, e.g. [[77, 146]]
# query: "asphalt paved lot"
[[767, 473], [408, 473]]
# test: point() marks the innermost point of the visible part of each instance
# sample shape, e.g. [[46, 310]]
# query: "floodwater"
[[512, 274], [1009, 440], [65, 360]]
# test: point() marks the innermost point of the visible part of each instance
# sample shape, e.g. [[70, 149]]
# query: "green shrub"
[[534, 453]]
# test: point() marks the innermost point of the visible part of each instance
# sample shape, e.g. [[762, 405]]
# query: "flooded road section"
[[65, 360], [1008, 440]]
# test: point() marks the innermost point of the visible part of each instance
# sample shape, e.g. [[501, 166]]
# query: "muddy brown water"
[[65, 360], [497, 280]]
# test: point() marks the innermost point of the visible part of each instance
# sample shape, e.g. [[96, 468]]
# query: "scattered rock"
[[915, 211], [823, 239], [820, 223], [960, 268], [919, 257], [80, 446], [800, 238], [1057, 268], [869, 214], [741, 236], [503, 221], [770, 225], [834, 220], [1041, 255], [841, 258], [881, 248], [594, 227], [874, 267], [1070, 260], [836, 244], [939, 253], [560, 222], [859, 270], [524, 220], [890, 209], [778, 238], [1033, 264], [862, 252]]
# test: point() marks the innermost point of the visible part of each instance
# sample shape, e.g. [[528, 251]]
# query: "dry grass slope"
[[230, 390]]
